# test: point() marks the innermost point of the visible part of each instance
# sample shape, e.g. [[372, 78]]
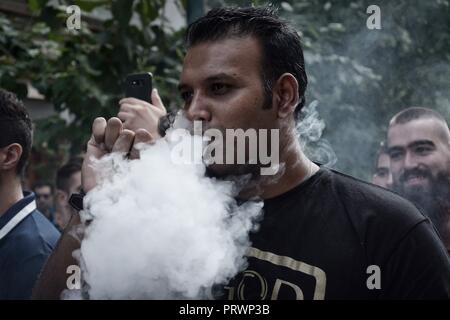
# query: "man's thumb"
[[156, 100]]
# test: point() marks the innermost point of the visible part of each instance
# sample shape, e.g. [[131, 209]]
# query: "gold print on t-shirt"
[[279, 283], [284, 261]]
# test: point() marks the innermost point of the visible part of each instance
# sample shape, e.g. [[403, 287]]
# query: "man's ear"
[[285, 95], [10, 156]]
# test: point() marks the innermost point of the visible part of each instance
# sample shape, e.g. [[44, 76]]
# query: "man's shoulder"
[[380, 218], [34, 235], [363, 202], [363, 198]]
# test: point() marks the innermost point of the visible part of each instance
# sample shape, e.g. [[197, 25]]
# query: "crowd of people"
[[52, 199], [318, 224]]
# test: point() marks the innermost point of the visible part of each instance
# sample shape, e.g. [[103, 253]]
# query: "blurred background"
[[359, 78]]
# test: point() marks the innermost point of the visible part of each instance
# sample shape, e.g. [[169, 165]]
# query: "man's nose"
[[410, 161], [198, 109], [390, 181]]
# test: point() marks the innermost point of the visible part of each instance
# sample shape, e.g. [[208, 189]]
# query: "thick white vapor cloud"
[[162, 230]]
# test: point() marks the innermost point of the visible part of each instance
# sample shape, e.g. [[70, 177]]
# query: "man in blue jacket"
[[26, 237]]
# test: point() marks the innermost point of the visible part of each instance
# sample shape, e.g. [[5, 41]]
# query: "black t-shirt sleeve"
[[419, 268]]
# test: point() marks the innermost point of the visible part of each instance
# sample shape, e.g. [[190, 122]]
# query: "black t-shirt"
[[335, 237]]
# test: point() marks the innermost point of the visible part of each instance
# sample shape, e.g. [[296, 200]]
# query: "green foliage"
[[81, 71], [359, 77]]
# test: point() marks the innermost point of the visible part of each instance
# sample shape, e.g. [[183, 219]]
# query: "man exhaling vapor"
[[322, 231]]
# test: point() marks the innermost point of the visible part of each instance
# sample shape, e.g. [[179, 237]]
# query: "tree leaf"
[[122, 12]]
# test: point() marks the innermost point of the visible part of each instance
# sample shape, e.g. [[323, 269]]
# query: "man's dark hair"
[[415, 113], [15, 126], [41, 184], [65, 172], [282, 50]]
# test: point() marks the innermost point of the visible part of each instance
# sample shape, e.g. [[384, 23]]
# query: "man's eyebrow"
[[394, 148], [216, 77], [421, 143], [220, 76]]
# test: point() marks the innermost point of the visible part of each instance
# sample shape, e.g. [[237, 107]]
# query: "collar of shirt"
[[28, 197]]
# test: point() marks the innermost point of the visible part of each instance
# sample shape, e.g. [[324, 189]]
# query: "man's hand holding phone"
[[142, 108], [136, 122], [138, 114]]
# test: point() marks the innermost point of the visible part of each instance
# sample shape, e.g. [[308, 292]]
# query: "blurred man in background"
[[419, 149], [68, 181], [44, 199], [382, 176], [26, 237]]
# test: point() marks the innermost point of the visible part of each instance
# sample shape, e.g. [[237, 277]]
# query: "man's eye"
[[422, 150], [381, 174], [219, 88], [395, 155], [186, 96]]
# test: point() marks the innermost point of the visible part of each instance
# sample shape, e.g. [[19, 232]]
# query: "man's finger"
[[124, 116], [124, 141], [112, 131], [126, 107], [156, 100], [98, 130], [141, 136], [133, 101]]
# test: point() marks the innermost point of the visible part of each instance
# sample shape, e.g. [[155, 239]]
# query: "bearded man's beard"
[[443, 203], [433, 200]]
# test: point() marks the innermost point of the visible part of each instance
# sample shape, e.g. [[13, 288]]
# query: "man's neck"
[[10, 193], [295, 168]]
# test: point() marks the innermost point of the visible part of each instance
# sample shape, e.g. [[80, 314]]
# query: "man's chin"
[[421, 184], [414, 190], [216, 171], [422, 196]]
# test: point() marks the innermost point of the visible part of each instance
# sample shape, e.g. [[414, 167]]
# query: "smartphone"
[[139, 86]]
